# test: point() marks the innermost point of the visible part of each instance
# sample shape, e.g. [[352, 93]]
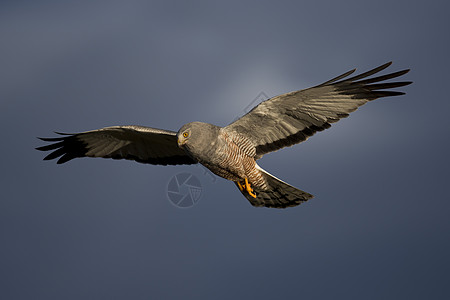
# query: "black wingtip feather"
[[384, 77], [55, 154], [66, 148], [51, 139], [370, 72], [338, 77], [51, 146], [65, 158], [387, 85]]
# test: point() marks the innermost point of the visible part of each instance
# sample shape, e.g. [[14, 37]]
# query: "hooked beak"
[[181, 142]]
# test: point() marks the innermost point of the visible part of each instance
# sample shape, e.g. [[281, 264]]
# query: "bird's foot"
[[241, 188], [249, 189]]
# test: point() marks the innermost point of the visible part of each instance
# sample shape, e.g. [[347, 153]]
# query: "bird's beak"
[[181, 142]]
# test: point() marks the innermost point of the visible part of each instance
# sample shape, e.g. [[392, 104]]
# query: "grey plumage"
[[231, 152], [293, 117]]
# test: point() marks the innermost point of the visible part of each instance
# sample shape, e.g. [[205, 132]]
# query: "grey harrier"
[[231, 151]]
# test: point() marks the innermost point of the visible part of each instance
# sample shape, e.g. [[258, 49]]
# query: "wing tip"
[[343, 77]]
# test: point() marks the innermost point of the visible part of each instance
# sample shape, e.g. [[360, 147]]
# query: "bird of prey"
[[231, 151]]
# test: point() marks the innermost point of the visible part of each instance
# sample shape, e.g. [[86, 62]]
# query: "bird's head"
[[196, 135], [184, 134]]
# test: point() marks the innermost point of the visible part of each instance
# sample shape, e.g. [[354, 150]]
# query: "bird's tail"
[[278, 194]]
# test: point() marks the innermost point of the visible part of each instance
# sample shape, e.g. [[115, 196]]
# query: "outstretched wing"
[[291, 118], [142, 144]]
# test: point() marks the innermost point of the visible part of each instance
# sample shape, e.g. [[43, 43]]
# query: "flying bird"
[[231, 152]]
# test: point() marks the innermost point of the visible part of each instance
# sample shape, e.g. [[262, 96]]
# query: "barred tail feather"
[[278, 194]]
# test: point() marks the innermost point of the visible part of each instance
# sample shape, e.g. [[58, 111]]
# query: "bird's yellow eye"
[[186, 134]]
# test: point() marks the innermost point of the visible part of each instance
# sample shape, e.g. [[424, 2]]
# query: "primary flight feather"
[[231, 151]]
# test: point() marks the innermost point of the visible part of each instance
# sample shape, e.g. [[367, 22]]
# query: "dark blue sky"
[[378, 227]]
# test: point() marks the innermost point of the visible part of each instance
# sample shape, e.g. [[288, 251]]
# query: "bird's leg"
[[240, 186], [248, 188]]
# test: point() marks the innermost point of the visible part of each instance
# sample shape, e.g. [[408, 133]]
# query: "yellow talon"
[[249, 188], [246, 186]]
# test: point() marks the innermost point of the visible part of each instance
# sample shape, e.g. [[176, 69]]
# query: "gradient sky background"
[[378, 227]]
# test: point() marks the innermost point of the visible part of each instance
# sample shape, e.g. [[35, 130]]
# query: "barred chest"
[[235, 156]]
